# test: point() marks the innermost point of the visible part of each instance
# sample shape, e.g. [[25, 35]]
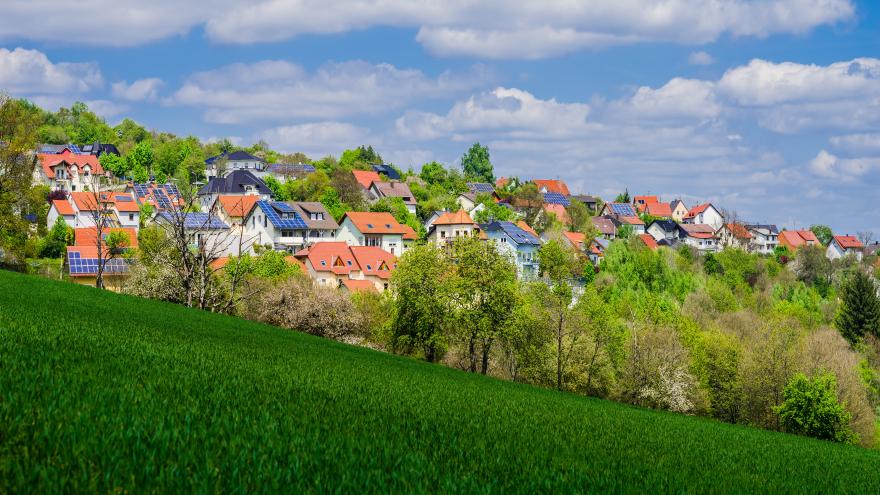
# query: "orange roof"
[[63, 206], [645, 200], [701, 235], [366, 177], [409, 233], [86, 236], [557, 210], [293, 261], [50, 160], [848, 242], [739, 231], [632, 220], [219, 263], [458, 218], [501, 182], [359, 285], [554, 186], [649, 241], [797, 238], [374, 222], [122, 205], [88, 201], [696, 210], [658, 209], [523, 225], [374, 260], [335, 257], [238, 206], [575, 238]]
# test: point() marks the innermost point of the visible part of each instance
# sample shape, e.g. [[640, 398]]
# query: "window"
[[287, 233], [317, 216], [442, 234], [131, 217], [265, 222], [323, 263], [373, 241]]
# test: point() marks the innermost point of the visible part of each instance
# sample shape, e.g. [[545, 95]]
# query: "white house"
[[734, 235], [379, 229], [705, 214], [844, 245], [702, 237], [449, 226], [67, 171], [235, 183], [519, 244], [394, 189], [666, 230], [336, 264], [207, 231], [223, 164], [765, 238], [80, 210], [276, 224]]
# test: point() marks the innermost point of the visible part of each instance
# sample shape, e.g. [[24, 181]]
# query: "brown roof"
[[409, 233], [238, 206], [697, 228], [605, 225], [460, 217], [368, 222], [306, 208], [395, 190]]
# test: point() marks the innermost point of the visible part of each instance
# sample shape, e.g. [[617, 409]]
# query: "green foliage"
[[270, 265], [625, 231], [359, 158], [56, 242], [275, 186], [398, 209], [117, 165], [335, 207], [623, 197], [305, 411], [140, 159], [18, 125], [640, 269], [116, 240], [476, 164], [860, 308], [823, 233], [559, 262], [310, 188], [811, 409]]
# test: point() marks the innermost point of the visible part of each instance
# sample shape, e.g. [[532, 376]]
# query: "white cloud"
[[278, 90], [833, 167], [140, 90], [485, 28], [319, 138], [30, 72], [677, 99], [857, 142], [701, 58]]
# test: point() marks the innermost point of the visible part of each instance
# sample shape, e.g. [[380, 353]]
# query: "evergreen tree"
[[860, 308]]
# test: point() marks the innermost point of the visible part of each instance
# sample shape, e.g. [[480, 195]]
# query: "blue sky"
[[768, 108]]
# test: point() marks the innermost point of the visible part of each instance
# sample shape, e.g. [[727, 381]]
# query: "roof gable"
[[366, 177], [374, 222]]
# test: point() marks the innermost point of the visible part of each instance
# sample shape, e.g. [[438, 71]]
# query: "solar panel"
[[556, 199], [480, 187], [123, 198], [624, 209], [518, 235], [74, 149], [291, 219], [283, 207]]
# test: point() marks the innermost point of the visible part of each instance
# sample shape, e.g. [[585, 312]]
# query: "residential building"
[[520, 245], [844, 245], [481, 188], [701, 236], [704, 214], [648, 241], [379, 190], [552, 186], [735, 235], [591, 202], [366, 178], [83, 260], [597, 250], [619, 209], [467, 201], [606, 227], [793, 239], [679, 210], [160, 197], [637, 224], [666, 230], [336, 264], [322, 226], [379, 229], [206, 231], [235, 183], [81, 209], [556, 210], [233, 209], [765, 238], [282, 172], [278, 225], [62, 208], [67, 171], [449, 226], [576, 240], [226, 163], [98, 148]]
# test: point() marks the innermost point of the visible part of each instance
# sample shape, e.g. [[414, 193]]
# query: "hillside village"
[[235, 212]]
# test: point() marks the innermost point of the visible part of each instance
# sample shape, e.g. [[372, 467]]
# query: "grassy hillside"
[[102, 392]]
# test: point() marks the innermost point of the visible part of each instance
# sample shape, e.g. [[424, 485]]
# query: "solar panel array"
[[480, 187], [162, 200], [556, 199], [282, 215], [123, 197], [89, 266], [518, 235], [141, 190], [624, 209], [74, 149]]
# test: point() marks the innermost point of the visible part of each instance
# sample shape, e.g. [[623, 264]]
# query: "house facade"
[[765, 238], [235, 183], [377, 229], [67, 171], [449, 226], [679, 210], [702, 237], [379, 190], [794, 239], [277, 225], [521, 246], [704, 214], [226, 163], [844, 245], [734, 235], [336, 264]]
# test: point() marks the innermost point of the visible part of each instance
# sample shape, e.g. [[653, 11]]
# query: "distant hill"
[[102, 392]]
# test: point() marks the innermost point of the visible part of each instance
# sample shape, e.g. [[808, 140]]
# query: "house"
[[793, 239], [223, 164], [276, 224], [379, 229], [765, 238], [83, 259], [336, 264], [666, 230], [387, 171], [641, 201], [734, 235], [235, 183], [233, 209], [160, 197], [591, 202], [658, 210], [552, 186], [409, 237], [366, 177], [844, 245], [467, 201], [449, 226], [206, 231], [82, 208], [701, 236], [283, 172], [320, 222], [520, 245], [704, 214], [597, 250], [379, 190], [648, 241], [637, 224], [67, 171], [62, 208], [679, 210], [98, 148], [606, 227], [619, 209], [576, 239], [433, 217], [523, 225], [481, 188], [556, 210]]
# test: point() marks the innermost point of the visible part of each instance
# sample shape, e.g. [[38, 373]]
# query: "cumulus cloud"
[[857, 142], [279, 90], [700, 58], [30, 72], [319, 138], [140, 90], [677, 99], [833, 167], [485, 28]]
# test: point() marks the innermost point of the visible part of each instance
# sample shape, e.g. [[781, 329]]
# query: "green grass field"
[[101, 392]]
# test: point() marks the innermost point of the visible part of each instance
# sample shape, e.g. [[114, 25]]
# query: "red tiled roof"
[[696, 210], [659, 209], [649, 241], [501, 182], [50, 160], [632, 220], [335, 257], [848, 242], [374, 261], [374, 222], [87, 236], [557, 210], [238, 206], [409, 233], [127, 206], [458, 218], [575, 238], [366, 177], [701, 235], [63, 206], [554, 186], [797, 238], [739, 231], [87, 201], [645, 199]]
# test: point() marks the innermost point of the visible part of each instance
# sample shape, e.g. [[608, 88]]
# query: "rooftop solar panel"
[[624, 209], [289, 220], [556, 198], [480, 187]]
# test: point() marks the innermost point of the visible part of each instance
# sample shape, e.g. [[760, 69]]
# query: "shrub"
[[811, 409]]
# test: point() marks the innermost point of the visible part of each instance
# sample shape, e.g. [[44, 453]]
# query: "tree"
[[823, 233], [866, 237], [579, 218], [491, 210], [623, 197], [56, 242], [606, 337], [101, 214], [114, 163], [421, 302], [811, 409], [529, 200], [476, 164], [140, 159], [18, 138], [813, 267], [625, 231], [349, 190], [859, 313]]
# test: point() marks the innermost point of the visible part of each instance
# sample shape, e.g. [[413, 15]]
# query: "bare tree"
[[99, 201], [866, 237]]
